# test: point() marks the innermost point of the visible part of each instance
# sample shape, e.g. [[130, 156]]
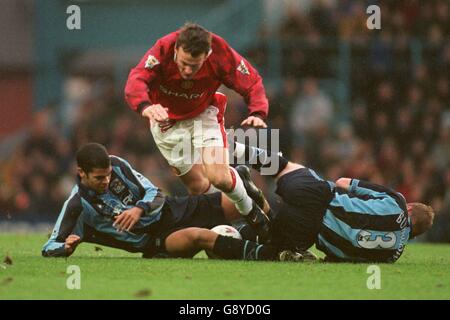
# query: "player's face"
[[187, 64], [98, 179]]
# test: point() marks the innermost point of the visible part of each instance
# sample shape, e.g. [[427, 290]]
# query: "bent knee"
[[200, 236], [221, 180], [197, 186]]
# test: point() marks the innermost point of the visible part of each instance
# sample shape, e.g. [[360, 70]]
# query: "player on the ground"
[[349, 220], [116, 206], [174, 86]]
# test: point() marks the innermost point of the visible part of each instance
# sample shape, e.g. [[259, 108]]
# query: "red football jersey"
[[156, 79]]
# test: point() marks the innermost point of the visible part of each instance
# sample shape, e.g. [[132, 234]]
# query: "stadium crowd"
[[397, 131]]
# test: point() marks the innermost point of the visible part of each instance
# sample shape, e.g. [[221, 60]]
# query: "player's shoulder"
[[73, 203], [163, 47], [400, 199], [220, 53], [117, 161], [168, 41], [218, 44], [121, 165]]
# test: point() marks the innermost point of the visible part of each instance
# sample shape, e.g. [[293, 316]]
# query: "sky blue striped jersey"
[[368, 223], [90, 216]]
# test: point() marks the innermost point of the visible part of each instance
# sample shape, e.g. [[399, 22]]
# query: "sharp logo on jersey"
[[180, 94], [151, 62], [242, 68], [368, 240]]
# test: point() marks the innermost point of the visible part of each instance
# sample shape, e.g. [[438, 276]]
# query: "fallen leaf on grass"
[[6, 281], [8, 260], [143, 293]]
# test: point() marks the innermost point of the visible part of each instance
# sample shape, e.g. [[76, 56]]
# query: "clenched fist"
[[71, 243]]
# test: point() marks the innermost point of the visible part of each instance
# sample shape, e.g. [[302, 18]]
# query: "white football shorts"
[[181, 144]]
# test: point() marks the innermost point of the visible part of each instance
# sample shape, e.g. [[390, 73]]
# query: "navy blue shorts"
[[202, 211], [305, 198]]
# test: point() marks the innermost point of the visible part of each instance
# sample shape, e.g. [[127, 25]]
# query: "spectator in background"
[[312, 111], [440, 152], [282, 104]]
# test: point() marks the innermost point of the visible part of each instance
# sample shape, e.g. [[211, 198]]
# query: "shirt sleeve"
[[141, 77], [66, 224], [153, 198], [238, 74], [372, 190]]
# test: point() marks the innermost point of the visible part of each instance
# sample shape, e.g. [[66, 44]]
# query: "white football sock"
[[239, 150], [239, 195]]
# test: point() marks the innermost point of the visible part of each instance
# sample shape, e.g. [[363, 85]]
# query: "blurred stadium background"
[[349, 101]]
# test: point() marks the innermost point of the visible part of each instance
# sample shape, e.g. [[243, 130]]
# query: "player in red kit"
[[175, 87]]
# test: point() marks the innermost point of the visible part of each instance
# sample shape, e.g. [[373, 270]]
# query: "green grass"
[[421, 273]]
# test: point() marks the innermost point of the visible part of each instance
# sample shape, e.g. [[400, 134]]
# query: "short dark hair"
[[422, 217], [194, 39], [91, 156]]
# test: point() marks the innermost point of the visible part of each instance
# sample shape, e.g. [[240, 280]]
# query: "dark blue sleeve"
[[66, 224]]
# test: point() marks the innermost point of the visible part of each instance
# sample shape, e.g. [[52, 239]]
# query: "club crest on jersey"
[[151, 62], [116, 186], [187, 84], [242, 68]]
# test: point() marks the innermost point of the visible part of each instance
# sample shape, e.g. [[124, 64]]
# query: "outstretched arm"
[[140, 78], [67, 232], [364, 188], [369, 189]]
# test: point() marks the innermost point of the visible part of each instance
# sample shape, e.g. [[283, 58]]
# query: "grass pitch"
[[421, 273]]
